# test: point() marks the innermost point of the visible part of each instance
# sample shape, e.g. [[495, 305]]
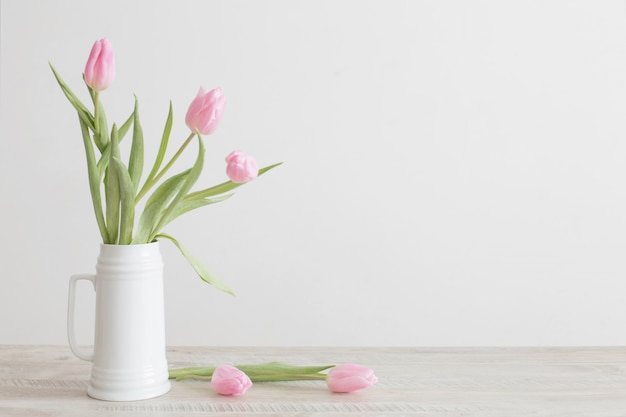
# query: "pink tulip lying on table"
[[349, 377], [228, 380]]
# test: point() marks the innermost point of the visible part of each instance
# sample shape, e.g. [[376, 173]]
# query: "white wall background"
[[455, 171]]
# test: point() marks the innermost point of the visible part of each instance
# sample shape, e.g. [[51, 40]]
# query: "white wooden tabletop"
[[48, 381]]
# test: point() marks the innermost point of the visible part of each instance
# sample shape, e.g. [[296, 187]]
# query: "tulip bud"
[[205, 111], [240, 167], [228, 380], [350, 377], [100, 68]]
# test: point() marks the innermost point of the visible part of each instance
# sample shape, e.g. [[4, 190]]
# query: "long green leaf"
[[160, 155], [103, 162], [84, 114], [206, 275], [113, 192], [156, 204], [224, 187], [163, 146], [121, 132], [127, 201], [186, 206], [135, 163], [94, 181], [191, 179]]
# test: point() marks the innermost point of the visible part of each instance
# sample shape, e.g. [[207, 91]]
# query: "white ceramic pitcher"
[[128, 356]]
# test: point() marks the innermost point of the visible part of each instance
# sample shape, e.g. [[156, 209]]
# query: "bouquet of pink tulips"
[[122, 181], [169, 198]]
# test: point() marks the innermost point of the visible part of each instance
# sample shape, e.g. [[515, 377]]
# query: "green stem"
[[149, 184], [96, 105], [268, 372], [263, 377]]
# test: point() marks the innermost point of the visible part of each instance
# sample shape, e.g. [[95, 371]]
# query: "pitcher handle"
[[71, 335]]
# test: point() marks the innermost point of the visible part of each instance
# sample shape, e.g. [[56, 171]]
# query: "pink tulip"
[[240, 167], [228, 380], [100, 68], [205, 111], [350, 377]]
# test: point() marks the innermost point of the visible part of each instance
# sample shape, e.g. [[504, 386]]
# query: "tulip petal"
[[100, 67], [241, 168], [205, 111], [228, 380], [349, 377]]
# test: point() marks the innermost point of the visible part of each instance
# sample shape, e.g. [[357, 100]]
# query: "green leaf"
[[121, 132], [153, 211], [224, 187], [135, 163], [150, 180], [94, 181], [191, 179], [84, 114], [188, 205], [127, 201], [163, 146], [113, 192], [206, 275], [103, 162]]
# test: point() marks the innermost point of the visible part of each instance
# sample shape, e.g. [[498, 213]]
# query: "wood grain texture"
[[47, 381]]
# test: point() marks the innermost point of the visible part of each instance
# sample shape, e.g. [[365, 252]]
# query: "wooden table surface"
[[46, 381]]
